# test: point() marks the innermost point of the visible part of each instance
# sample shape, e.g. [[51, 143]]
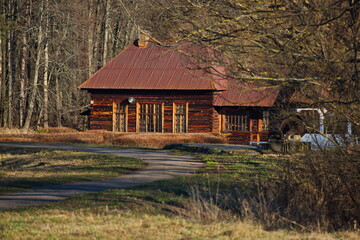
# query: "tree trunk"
[[12, 46], [106, 32], [1, 82], [46, 71], [9, 116], [23, 73], [90, 39], [46, 86], [36, 72], [58, 101], [23, 81]]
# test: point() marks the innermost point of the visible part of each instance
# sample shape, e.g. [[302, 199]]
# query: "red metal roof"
[[300, 97], [247, 95], [156, 67]]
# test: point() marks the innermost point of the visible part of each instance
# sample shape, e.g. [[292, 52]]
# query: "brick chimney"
[[144, 39]]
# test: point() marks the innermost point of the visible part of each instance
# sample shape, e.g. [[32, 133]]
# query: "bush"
[[320, 189]]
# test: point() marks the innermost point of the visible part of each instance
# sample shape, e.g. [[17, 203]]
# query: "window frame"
[[186, 116], [235, 119], [125, 113], [138, 117]]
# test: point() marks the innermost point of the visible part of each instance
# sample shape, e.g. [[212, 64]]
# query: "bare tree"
[[46, 68], [310, 46], [23, 70], [47, 48], [34, 86], [106, 32]]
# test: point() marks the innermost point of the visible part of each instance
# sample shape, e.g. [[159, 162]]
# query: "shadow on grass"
[[24, 168], [20, 150]]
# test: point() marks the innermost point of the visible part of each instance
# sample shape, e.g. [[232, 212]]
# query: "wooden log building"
[[150, 88]]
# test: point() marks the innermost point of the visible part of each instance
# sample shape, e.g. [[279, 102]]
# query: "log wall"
[[255, 132], [202, 117], [244, 137]]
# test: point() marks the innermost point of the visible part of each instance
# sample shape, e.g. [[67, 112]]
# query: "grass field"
[[27, 168], [192, 207]]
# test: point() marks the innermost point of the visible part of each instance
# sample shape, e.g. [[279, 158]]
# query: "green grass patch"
[[223, 173], [22, 168]]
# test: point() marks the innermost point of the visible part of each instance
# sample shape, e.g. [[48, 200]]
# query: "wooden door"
[[255, 129]]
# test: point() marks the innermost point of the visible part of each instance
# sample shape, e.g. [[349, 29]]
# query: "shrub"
[[321, 189]]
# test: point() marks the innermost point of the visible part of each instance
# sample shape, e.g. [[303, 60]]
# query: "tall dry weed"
[[204, 207], [316, 191]]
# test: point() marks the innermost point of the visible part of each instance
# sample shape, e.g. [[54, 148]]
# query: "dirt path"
[[161, 165]]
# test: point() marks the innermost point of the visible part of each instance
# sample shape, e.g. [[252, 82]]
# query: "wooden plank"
[[173, 117], [162, 117], [137, 117], [187, 117]]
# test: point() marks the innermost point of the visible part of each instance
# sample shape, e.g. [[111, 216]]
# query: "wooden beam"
[[114, 116]]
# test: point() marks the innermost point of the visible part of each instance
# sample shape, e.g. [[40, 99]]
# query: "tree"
[[309, 46], [47, 48], [34, 87]]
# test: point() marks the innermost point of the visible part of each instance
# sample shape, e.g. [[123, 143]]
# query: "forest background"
[[48, 48]]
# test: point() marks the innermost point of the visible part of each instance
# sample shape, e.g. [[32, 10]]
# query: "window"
[[265, 120], [180, 112], [120, 117], [237, 121], [150, 117]]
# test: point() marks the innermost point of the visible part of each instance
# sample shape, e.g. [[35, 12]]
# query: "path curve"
[[161, 165]]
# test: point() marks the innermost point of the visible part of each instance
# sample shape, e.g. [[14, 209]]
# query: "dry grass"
[[11, 131], [158, 140], [57, 130], [149, 140], [114, 222]]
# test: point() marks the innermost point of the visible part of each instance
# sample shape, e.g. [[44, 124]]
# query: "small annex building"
[[150, 88]]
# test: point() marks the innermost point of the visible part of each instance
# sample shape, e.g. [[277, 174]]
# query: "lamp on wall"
[[131, 100]]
